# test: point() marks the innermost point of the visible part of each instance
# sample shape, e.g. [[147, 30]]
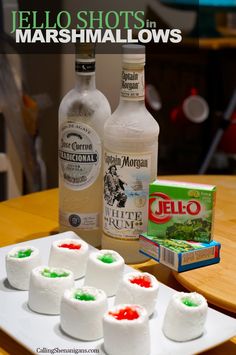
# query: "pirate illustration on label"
[[114, 188]]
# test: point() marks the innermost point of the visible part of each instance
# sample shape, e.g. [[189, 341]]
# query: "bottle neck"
[[85, 75], [85, 82], [132, 84]]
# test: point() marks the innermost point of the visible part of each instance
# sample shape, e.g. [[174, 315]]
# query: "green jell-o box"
[[181, 210]]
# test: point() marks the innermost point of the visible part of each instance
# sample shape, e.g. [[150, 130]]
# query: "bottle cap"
[[85, 51], [133, 53], [85, 58]]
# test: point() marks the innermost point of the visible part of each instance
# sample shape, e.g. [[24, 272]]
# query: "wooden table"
[[36, 215], [218, 282]]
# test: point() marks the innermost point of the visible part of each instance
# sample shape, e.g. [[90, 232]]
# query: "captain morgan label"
[[132, 84], [79, 155], [126, 183]]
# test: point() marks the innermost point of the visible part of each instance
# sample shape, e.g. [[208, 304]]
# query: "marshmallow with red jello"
[[126, 330], [138, 288], [19, 263], [104, 271], [71, 254], [82, 311], [185, 316], [47, 286]]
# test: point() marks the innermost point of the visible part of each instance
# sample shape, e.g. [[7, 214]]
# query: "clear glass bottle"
[[82, 115], [130, 161]]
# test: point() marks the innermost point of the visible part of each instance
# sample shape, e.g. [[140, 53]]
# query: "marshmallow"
[[19, 263], [126, 330], [104, 271], [47, 286], [71, 254], [82, 312], [138, 288], [185, 316]]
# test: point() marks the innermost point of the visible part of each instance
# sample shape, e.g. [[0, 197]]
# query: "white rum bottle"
[[130, 161], [82, 115]]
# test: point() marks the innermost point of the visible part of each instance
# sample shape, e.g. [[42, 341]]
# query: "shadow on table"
[[6, 287]]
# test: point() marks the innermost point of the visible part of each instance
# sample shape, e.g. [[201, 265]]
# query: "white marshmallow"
[[126, 337], [183, 322], [105, 276], [129, 292], [71, 259], [45, 292], [19, 269], [82, 319]]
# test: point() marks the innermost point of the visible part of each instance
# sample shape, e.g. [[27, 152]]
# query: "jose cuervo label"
[[79, 155]]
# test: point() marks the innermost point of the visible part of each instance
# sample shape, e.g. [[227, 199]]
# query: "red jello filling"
[[70, 246], [142, 281], [125, 313]]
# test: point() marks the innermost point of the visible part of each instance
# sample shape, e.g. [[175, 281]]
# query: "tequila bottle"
[[82, 115]]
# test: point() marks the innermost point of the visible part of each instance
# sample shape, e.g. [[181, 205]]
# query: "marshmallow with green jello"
[[126, 330], [82, 311], [138, 288], [19, 263], [185, 316], [47, 286], [104, 271], [71, 254]]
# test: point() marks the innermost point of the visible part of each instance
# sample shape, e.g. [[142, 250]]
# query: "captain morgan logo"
[[126, 181], [162, 207]]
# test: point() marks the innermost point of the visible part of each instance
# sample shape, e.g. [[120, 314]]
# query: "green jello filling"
[[23, 253], [53, 274], [188, 302], [84, 296], [107, 258]]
